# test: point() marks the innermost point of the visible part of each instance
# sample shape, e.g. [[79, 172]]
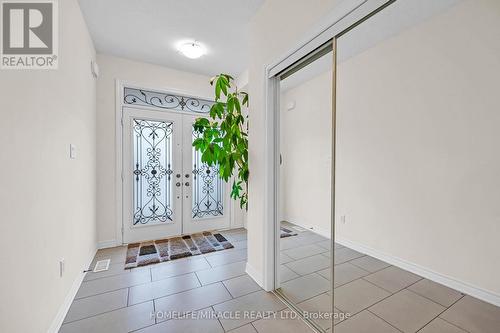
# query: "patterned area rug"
[[153, 252], [287, 232]]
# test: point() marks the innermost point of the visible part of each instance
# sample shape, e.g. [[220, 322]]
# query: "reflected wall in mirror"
[[417, 122], [305, 188]]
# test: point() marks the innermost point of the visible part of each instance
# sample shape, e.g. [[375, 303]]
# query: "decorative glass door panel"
[[205, 193], [152, 167], [152, 171], [208, 187]]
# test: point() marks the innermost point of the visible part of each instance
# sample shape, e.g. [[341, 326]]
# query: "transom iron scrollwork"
[[166, 100], [152, 171], [208, 188]]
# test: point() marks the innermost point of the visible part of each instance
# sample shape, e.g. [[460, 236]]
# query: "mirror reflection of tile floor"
[[381, 298]]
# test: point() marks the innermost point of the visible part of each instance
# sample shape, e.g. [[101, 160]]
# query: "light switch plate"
[[61, 267], [72, 151]]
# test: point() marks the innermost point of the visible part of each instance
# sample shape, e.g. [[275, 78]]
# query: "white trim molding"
[[107, 244], [70, 296], [464, 287], [118, 161], [255, 275]]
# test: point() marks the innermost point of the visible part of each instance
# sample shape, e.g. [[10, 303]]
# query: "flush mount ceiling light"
[[192, 50]]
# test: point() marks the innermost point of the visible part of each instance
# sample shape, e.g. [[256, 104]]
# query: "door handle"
[[187, 175], [178, 175]]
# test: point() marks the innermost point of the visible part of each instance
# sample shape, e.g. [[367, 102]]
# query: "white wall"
[[276, 28], [47, 200], [418, 142], [305, 139], [147, 75]]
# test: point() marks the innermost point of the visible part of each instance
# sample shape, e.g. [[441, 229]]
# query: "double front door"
[[167, 190]]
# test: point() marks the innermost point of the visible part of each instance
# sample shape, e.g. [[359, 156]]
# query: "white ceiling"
[[149, 30]]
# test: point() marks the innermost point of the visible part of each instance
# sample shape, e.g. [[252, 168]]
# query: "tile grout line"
[[390, 291], [208, 262], [345, 262], [385, 321], [167, 320], [255, 328], [233, 277], [310, 298], [322, 254], [198, 278], [298, 248], [232, 298], [210, 306], [445, 309], [131, 286], [105, 292], [392, 294], [454, 325], [381, 300], [306, 273], [254, 320], [105, 312], [445, 306], [154, 312], [175, 293], [218, 319], [376, 271], [225, 287]]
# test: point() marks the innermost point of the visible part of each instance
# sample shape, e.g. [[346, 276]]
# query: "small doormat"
[[287, 232], [153, 252]]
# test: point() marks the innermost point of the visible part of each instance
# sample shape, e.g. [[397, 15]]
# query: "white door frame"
[[344, 16], [119, 87]]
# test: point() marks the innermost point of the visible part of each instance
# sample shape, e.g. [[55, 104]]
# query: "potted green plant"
[[223, 139]]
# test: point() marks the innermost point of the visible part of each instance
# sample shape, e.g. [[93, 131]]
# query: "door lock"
[[186, 183], [178, 184], [178, 175], [187, 175]]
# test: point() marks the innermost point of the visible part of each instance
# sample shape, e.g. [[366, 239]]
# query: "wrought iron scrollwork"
[[208, 188], [152, 171], [166, 101]]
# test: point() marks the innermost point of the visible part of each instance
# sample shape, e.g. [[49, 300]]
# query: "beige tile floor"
[[379, 297]]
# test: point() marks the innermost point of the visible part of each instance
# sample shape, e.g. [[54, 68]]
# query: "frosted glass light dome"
[[192, 50]]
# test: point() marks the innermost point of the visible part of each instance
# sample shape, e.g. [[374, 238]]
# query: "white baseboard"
[[321, 232], [106, 244], [313, 228], [254, 274], [63, 309], [464, 287]]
